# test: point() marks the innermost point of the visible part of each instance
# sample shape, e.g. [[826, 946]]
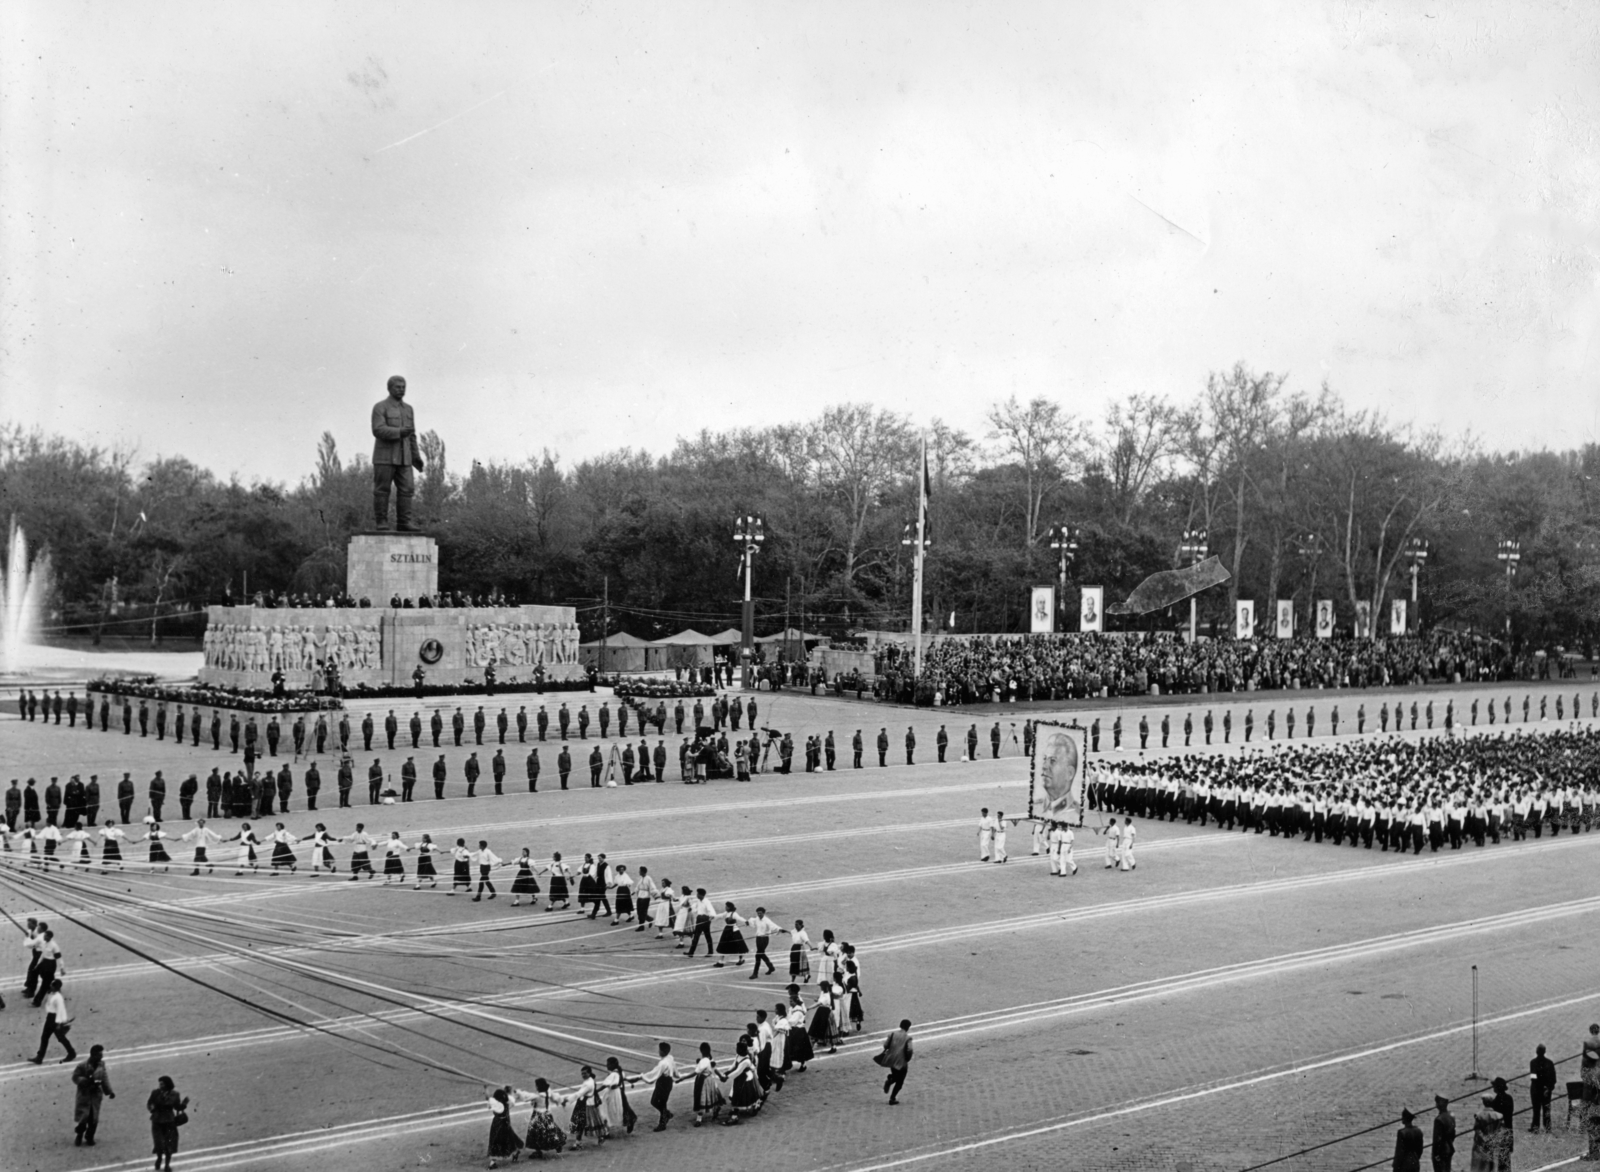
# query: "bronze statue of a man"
[[394, 456]]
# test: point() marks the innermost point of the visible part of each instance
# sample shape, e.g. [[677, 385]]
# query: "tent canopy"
[[620, 639], [727, 638], [688, 635], [792, 635]]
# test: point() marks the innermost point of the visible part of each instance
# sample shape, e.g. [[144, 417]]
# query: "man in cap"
[[395, 457]]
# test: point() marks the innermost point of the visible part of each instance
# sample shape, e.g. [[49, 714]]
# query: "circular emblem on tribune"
[[432, 651]]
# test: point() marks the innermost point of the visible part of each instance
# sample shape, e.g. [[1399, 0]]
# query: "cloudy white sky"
[[586, 226]]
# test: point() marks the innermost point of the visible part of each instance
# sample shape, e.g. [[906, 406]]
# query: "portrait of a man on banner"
[[1056, 782]]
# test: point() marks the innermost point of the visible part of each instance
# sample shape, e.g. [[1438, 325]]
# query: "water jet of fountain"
[[22, 590]]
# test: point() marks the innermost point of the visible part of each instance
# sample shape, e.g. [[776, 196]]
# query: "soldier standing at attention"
[[502, 722], [522, 724], [479, 723], [391, 729], [415, 728], [883, 747], [941, 742], [856, 748], [827, 748], [440, 772], [436, 727], [395, 458], [543, 721]]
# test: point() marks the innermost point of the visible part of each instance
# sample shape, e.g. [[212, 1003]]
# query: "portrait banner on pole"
[[1092, 609], [1285, 618], [1397, 616], [1056, 773], [1325, 618], [1042, 618], [1244, 625], [1363, 620]]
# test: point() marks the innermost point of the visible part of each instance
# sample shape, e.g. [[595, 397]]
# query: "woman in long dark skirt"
[[822, 1030], [746, 1091], [731, 942], [425, 853], [524, 883], [544, 1133], [461, 870], [559, 891], [165, 1105], [624, 898], [799, 1050], [503, 1141]]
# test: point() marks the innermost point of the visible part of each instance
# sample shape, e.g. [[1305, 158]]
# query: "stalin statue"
[[394, 456]]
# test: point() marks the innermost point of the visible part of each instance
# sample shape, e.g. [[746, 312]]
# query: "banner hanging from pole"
[[1244, 626], [1363, 626], [1042, 617], [1056, 773], [1285, 618], [1397, 616], [1325, 618], [1092, 609]]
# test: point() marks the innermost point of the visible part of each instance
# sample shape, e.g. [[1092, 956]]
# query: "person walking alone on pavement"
[[94, 1085], [896, 1058], [168, 1112]]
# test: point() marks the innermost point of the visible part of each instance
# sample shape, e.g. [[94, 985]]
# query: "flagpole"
[[916, 583]]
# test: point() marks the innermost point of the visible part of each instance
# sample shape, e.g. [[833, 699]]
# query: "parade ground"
[[1235, 999]]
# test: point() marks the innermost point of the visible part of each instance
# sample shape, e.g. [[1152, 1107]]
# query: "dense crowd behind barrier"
[[1074, 666]]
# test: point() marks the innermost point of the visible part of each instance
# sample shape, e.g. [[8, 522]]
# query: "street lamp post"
[[749, 531], [916, 537], [1510, 553], [1064, 540], [1195, 549], [1417, 551]]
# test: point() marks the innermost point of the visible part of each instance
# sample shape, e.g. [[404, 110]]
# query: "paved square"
[[1234, 999]]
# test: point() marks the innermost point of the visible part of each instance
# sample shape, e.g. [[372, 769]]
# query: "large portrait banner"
[[1056, 776]]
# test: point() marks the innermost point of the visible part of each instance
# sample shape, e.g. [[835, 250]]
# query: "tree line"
[[1301, 496]]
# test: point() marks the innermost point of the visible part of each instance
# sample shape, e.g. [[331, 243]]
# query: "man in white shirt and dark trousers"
[[704, 910], [763, 928], [662, 1076], [487, 861], [57, 1021]]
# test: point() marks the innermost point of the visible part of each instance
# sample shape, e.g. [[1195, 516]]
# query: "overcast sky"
[[587, 226]]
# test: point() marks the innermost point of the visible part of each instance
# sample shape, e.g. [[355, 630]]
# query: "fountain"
[[22, 590]]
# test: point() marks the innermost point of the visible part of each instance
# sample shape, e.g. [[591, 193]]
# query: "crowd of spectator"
[[963, 670]]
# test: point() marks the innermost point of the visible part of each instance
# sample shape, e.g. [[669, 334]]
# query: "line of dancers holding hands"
[[596, 1108]]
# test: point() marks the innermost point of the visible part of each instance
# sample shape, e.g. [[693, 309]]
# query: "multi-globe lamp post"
[[1195, 549], [1510, 555], [1064, 540], [749, 531]]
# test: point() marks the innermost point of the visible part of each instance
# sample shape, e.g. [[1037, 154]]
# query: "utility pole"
[[605, 617]]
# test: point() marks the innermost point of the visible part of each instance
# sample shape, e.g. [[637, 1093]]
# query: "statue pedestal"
[[381, 566], [380, 646]]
